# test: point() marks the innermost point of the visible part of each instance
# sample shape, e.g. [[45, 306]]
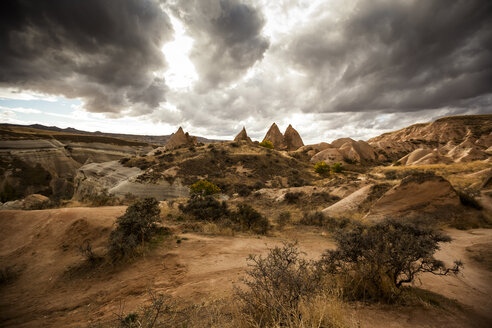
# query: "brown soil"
[[53, 287]]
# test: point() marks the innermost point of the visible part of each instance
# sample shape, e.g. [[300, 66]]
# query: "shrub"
[[321, 168], [243, 190], [266, 144], [313, 219], [372, 262], [204, 188], [88, 254], [250, 219], [205, 208], [337, 168], [283, 219], [292, 197], [468, 200], [277, 284], [135, 227], [8, 193]]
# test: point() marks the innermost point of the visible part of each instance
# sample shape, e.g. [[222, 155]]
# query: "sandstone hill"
[[344, 150], [453, 138]]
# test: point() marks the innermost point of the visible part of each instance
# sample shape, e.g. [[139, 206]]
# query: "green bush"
[[337, 168], [266, 144], [373, 262], [321, 168], [204, 188], [134, 228]]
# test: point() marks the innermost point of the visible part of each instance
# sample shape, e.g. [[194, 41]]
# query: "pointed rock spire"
[[292, 139], [180, 138], [242, 136], [275, 137]]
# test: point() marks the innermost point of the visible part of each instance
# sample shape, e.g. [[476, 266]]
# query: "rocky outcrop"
[[292, 139], [34, 201], [49, 166], [118, 180], [179, 139], [275, 137], [419, 195], [242, 136], [349, 204], [346, 150]]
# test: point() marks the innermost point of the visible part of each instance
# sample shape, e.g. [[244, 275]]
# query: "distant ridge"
[[159, 140]]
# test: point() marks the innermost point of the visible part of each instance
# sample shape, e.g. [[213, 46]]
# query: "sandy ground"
[[53, 290]]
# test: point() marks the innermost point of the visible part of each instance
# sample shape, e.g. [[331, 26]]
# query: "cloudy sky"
[[331, 68]]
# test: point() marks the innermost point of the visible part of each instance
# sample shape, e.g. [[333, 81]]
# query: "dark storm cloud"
[[398, 56], [102, 51], [228, 39]]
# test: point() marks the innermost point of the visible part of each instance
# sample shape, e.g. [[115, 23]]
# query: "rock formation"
[[242, 136], [292, 139], [423, 195], [178, 139], [451, 139], [275, 137], [346, 150], [118, 180]]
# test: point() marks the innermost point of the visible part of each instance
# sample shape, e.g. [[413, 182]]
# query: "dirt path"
[[42, 246]]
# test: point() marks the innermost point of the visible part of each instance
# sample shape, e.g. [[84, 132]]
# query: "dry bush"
[[467, 199], [373, 262], [250, 219], [205, 208], [155, 314], [286, 290], [283, 219], [293, 197]]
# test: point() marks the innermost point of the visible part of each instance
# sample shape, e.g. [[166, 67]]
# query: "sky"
[[331, 68]]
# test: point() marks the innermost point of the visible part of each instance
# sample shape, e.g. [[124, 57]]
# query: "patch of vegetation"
[[467, 199], [373, 262], [283, 219], [250, 219], [8, 193], [137, 226], [205, 208], [204, 188], [337, 168], [277, 284], [293, 197], [321, 168], [313, 219], [266, 144]]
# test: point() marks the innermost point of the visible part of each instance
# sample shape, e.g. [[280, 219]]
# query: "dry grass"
[[455, 173]]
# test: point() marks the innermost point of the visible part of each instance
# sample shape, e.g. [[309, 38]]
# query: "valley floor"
[[52, 288]]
